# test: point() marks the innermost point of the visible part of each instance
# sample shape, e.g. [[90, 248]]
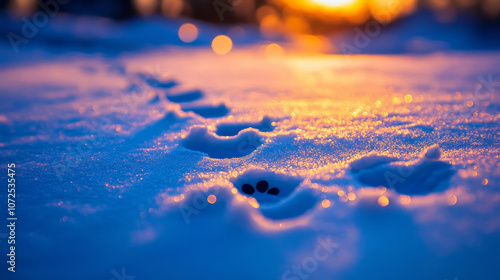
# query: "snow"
[[200, 139], [117, 155], [185, 96], [233, 128], [421, 177]]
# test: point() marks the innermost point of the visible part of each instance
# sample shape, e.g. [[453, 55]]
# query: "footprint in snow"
[[427, 174], [278, 195], [262, 187]]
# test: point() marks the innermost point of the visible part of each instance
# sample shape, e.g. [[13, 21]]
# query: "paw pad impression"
[[277, 194], [262, 187]]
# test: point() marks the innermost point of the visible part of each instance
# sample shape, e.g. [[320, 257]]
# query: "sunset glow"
[[334, 3], [273, 139]]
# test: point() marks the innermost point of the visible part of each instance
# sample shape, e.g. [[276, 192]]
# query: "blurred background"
[[298, 16], [415, 26]]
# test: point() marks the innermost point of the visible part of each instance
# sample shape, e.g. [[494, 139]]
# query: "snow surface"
[[118, 155]]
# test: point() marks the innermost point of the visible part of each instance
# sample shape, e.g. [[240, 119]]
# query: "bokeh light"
[[325, 203], [145, 7], [404, 199], [351, 196], [408, 98], [253, 202], [452, 200], [172, 8], [383, 201], [211, 199], [222, 44], [274, 51], [188, 32], [23, 7]]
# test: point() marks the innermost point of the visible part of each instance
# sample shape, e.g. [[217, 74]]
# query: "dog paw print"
[[276, 193], [262, 187]]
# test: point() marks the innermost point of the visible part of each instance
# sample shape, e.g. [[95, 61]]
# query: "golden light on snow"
[[452, 200], [253, 202], [271, 225], [188, 32], [396, 100], [404, 199], [383, 201], [408, 98], [222, 44], [211, 199], [351, 196], [172, 199], [325, 203]]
